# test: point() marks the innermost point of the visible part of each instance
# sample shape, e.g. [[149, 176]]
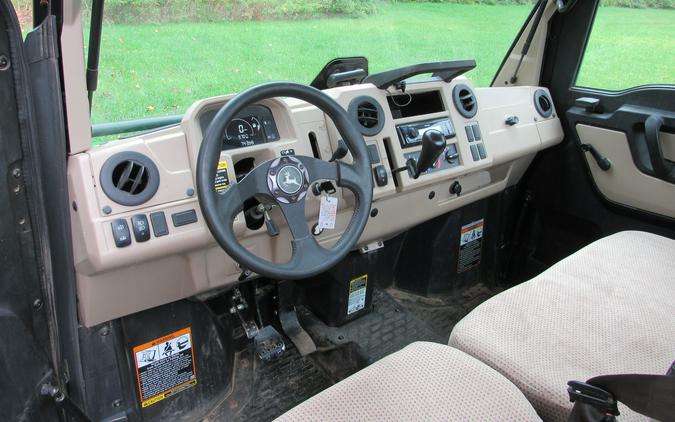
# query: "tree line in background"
[[138, 11]]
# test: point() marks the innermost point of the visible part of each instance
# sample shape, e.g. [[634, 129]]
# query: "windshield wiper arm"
[[94, 47], [526, 46]]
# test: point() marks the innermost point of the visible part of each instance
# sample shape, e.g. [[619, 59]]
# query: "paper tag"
[[328, 212]]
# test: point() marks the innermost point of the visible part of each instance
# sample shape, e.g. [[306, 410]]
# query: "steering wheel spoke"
[[348, 177], [307, 252], [231, 201], [295, 217]]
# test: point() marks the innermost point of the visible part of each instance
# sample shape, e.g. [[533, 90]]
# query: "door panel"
[[642, 171]]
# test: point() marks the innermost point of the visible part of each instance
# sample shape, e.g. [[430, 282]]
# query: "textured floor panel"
[[441, 313], [264, 391], [268, 389], [387, 328]]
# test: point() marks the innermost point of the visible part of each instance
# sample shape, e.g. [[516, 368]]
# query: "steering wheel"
[[285, 182]]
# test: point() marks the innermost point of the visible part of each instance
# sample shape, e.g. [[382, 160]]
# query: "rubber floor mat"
[[263, 391], [441, 313], [386, 329]]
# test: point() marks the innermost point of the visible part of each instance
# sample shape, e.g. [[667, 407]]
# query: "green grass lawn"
[[159, 69]]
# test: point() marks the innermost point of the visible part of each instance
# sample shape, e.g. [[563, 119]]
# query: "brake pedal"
[[269, 345]]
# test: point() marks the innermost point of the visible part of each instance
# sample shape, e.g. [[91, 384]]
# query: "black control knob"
[[413, 133], [433, 145], [456, 188], [451, 155]]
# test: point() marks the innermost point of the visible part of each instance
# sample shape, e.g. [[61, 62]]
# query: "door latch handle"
[[603, 162], [660, 166]]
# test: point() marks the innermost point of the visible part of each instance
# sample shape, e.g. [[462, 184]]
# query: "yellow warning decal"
[[357, 294], [165, 366], [222, 181]]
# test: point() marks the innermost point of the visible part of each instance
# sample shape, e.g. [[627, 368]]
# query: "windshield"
[[157, 60]]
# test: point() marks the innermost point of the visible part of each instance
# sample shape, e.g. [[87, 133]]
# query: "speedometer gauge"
[[240, 131], [253, 126]]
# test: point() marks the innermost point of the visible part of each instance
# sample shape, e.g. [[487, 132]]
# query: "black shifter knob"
[[433, 145]]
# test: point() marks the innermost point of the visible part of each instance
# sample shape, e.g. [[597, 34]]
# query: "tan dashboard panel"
[[624, 183], [168, 150], [116, 281]]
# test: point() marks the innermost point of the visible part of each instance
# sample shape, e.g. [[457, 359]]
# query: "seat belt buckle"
[[594, 396]]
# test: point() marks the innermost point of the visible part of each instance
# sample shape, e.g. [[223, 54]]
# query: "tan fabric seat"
[[422, 382], [607, 309]]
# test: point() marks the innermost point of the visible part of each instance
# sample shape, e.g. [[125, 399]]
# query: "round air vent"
[[129, 178], [465, 100], [368, 115], [543, 103]]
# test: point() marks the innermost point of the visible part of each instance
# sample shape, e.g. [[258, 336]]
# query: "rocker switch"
[[120, 231], [141, 228], [380, 175]]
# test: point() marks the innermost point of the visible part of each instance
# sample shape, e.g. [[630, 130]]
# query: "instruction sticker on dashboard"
[[222, 181], [165, 366], [328, 212], [470, 245], [357, 294]]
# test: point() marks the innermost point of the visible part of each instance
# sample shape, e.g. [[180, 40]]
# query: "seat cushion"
[[607, 309], [422, 382]]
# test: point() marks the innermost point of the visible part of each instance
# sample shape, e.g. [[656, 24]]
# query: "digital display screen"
[[253, 126]]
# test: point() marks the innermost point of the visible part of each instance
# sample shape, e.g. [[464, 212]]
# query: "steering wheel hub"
[[287, 180]]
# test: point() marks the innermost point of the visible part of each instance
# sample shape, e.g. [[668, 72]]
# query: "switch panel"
[[374, 154], [469, 133], [120, 231], [474, 153], [481, 151], [476, 132], [380, 174], [159, 227], [141, 228], [184, 218]]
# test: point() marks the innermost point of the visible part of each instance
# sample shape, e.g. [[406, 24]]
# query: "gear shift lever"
[[433, 144]]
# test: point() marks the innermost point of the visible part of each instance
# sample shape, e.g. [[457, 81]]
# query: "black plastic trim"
[[119, 196], [538, 95], [353, 111], [446, 71], [458, 102]]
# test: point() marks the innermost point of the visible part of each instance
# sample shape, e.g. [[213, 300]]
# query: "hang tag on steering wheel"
[[328, 212]]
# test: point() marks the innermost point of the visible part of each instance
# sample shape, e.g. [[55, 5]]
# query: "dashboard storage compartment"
[[343, 293]]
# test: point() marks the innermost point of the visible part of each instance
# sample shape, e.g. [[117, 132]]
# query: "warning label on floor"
[[357, 294], [165, 366], [470, 245]]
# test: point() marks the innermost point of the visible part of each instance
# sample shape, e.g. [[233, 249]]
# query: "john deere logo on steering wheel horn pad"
[[287, 179]]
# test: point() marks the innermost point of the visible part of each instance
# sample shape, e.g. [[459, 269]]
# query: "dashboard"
[[150, 245]]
